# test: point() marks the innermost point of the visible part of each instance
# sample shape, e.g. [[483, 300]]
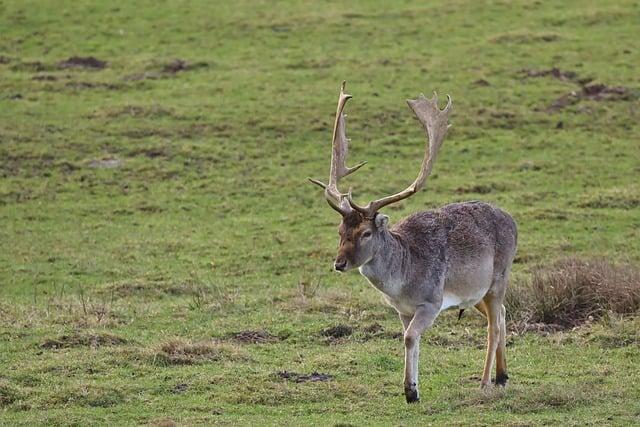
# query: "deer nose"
[[340, 264]]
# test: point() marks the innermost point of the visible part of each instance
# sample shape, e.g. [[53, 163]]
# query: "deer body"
[[449, 258], [457, 256]]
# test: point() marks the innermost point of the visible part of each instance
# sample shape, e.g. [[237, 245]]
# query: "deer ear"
[[381, 221]]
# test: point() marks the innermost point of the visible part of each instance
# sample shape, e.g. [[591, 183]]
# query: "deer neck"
[[384, 269]]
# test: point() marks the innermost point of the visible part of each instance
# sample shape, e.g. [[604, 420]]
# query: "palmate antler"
[[337, 200], [433, 120]]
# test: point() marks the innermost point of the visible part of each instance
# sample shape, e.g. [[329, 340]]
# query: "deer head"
[[362, 226]]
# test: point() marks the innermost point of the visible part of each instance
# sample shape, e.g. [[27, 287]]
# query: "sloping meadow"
[[165, 261]]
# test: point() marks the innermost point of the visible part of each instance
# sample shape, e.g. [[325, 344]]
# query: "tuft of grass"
[[573, 291], [8, 393], [613, 199], [91, 395], [82, 339], [179, 351]]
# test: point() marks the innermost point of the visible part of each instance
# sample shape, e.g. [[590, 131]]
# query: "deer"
[[459, 255]]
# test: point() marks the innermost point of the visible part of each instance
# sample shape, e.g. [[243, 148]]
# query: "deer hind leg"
[[493, 314], [482, 308], [501, 359]]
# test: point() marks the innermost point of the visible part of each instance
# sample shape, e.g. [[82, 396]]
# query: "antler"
[[435, 123], [336, 199]]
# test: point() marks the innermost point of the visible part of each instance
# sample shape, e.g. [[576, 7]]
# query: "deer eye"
[[366, 234]]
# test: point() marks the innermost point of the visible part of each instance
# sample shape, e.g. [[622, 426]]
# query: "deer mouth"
[[341, 265]]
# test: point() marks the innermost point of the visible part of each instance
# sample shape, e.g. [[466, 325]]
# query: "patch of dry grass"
[[573, 291], [182, 352]]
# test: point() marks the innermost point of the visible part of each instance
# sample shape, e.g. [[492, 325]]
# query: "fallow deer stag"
[[457, 256]]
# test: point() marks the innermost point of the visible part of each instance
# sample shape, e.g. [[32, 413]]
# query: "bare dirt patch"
[[254, 337], [84, 62], [180, 388], [82, 339], [373, 329], [176, 66], [593, 92], [93, 85], [481, 82], [150, 152], [303, 378], [524, 37], [554, 72], [337, 332]]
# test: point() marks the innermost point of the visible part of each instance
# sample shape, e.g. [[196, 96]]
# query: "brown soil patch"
[[178, 65], [372, 329], [554, 72], [180, 388], [303, 378], [338, 331], [86, 62], [254, 337], [175, 66], [593, 92], [481, 82], [92, 85]]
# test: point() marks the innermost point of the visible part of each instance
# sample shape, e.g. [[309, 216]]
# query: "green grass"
[[208, 227]]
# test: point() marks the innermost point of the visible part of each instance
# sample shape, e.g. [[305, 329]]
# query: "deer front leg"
[[422, 319]]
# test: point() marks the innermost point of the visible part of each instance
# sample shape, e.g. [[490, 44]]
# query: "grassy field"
[[163, 258]]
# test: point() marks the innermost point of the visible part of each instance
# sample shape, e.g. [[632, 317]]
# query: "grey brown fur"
[[457, 256]]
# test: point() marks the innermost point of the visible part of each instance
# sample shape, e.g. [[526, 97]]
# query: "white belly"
[[450, 300]]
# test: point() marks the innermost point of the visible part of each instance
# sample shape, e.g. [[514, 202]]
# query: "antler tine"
[[340, 148], [435, 123]]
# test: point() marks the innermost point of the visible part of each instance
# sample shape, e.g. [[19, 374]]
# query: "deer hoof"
[[501, 379], [412, 395]]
